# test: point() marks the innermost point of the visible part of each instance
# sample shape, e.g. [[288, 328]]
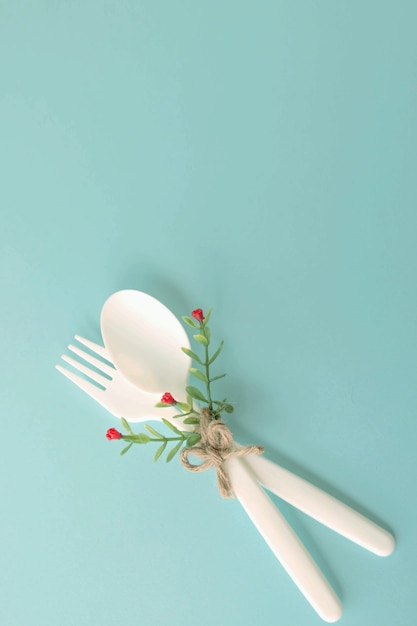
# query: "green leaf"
[[172, 427], [161, 405], [193, 439], [201, 339], [153, 431], [216, 354], [193, 355], [173, 452], [207, 316], [190, 401], [228, 408], [198, 374], [207, 333], [189, 321], [217, 377], [126, 449], [126, 426], [142, 438], [196, 393], [159, 451], [184, 406], [191, 420]]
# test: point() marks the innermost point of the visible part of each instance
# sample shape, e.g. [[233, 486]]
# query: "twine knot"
[[215, 447]]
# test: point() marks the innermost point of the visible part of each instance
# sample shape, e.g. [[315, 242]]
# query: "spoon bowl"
[[143, 337]]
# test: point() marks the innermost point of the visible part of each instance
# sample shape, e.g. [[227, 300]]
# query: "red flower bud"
[[167, 398], [112, 433], [198, 315]]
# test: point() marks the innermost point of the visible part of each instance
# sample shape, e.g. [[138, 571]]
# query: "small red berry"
[[112, 433], [198, 315], [167, 398]]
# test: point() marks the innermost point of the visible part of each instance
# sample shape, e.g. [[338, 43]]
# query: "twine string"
[[215, 447]]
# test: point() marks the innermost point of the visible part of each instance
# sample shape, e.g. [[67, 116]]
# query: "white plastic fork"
[[117, 395], [280, 537]]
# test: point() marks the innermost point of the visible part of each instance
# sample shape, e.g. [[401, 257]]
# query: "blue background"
[[257, 157]]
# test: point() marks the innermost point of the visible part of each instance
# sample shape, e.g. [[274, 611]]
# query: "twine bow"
[[215, 447]]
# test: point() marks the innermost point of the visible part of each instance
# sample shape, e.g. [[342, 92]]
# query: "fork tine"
[[103, 367], [94, 347], [83, 384], [101, 380]]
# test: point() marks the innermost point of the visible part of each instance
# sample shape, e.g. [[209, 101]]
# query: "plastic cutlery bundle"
[[142, 341]]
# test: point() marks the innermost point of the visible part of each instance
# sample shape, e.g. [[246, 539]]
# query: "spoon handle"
[[283, 542], [321, 506]]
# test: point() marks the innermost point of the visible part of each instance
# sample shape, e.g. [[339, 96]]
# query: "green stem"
[[206, 363], [168, 439], [133, 438]]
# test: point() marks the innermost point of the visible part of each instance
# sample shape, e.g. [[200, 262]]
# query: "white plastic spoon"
[[143, 339]]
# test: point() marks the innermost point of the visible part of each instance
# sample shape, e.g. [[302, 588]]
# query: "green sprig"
[[190, 416], [182, 438]]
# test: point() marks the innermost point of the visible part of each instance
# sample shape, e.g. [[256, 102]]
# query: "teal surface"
[[257, 157]]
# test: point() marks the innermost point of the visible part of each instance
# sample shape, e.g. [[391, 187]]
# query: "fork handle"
[[321, 506], [283, 542]]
